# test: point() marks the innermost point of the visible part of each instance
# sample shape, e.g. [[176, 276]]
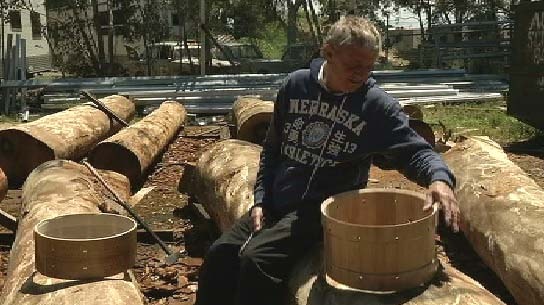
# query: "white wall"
[[37, 49]]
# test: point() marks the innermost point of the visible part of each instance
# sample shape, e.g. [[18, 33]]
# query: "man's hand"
[[441, 193], [257, 215]]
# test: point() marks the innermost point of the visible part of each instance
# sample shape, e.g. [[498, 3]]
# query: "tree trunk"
[[69, 134], [3, 185], [131, 151], [223, 181], [251, 118], [86, 39], [292, 27], [99, 37], [57, 188], [421, 26], [502, 212], [316, 23], [310, 24], [333, 16]]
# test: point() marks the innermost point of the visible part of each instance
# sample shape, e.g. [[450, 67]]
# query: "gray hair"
[[352, 30]]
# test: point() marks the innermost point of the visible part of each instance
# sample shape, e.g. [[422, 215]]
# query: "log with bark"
[[68, 134], [131, 151], [503, 212], [57, 188], [223, 182], [251, 117]]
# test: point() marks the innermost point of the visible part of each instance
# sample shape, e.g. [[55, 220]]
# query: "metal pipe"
[[2, 41], [202, 37]]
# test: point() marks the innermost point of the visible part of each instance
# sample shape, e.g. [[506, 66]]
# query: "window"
[[104, 18], [36, 25], [119, 17], [175, 19], [15, 20]]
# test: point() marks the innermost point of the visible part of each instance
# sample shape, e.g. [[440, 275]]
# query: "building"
[[29, 25], [96, 15], [404, 39]]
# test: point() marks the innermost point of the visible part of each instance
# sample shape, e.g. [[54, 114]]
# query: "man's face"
[[348, 67]]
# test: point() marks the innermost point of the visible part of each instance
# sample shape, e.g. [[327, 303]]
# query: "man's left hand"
[[441, 193]]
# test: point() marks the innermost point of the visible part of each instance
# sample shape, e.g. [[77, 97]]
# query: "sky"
[[404, 18]]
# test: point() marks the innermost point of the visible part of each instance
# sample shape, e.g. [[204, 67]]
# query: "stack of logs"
[[38, 154], [501, 207]]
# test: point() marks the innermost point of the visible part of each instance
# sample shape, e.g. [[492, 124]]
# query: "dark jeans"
[[258, 275]]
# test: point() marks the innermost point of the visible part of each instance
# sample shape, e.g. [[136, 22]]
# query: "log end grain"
[[254, 130], [106, 156], [20, 153], [251, 117]]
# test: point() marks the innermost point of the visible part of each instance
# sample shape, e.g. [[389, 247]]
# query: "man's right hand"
[[257, 215]]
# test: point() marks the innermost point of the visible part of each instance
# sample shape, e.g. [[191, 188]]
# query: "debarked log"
[[223, 182], [131, 151], [68, 134], [251, 118], [503, 212], [53, 189]]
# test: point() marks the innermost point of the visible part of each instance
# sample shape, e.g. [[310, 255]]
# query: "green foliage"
[[271, 41], [241, 18], [267, 23], [489, 119], [6, 119], [56, 4]]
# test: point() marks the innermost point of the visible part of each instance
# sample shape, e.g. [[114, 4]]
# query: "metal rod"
[[202, 37], [2, 33], [127, 207], [103, 107]]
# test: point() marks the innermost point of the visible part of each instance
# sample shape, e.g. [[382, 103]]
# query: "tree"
[[75, 30]]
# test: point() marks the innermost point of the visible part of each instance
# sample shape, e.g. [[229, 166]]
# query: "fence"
[[479, 47]]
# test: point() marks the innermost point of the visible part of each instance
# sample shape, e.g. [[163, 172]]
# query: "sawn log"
[[503, 212], [57, 188], [131, 151], [68, 134], [251, 117]]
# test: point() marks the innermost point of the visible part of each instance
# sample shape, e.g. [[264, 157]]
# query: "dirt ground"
[[165, 208]]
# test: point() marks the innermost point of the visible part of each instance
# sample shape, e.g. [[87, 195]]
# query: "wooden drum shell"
[[85, 246]]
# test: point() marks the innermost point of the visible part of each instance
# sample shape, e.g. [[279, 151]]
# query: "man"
[[329, 123]]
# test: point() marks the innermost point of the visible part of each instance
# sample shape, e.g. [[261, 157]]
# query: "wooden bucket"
[[85, 246], [379, 240]]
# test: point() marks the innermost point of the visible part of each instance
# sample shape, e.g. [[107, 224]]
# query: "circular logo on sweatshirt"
[[315, 134]]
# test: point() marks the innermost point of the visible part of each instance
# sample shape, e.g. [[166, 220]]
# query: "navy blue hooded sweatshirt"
[[320, 143]]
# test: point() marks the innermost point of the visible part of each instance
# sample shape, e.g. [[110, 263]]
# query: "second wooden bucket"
[[379, 240]]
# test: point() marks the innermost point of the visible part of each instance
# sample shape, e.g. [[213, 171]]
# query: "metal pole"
[[110, 35], [2, 40], [23, 65], [387, 43], [202, 38]]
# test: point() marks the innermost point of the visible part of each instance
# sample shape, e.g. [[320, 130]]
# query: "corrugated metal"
[[526, 100], [37, 63], [34, 63], [216, 93]]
